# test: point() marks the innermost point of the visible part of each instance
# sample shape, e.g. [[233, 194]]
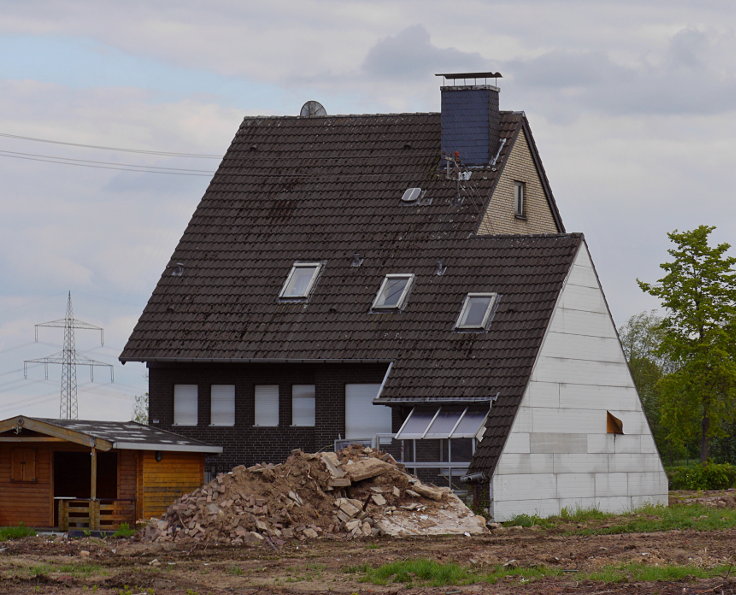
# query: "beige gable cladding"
[[559, 453], [500, 217]]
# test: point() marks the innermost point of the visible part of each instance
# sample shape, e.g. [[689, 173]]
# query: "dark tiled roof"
[[326, 188]]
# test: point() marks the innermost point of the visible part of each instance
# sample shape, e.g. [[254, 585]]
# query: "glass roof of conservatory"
[[442, 422]]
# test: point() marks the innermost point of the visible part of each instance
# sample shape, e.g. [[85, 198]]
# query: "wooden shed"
[[66, 473]]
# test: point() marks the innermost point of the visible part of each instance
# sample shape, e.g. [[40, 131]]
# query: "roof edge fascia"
[[49, 429]]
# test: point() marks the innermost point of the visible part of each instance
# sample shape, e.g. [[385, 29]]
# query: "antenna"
[[69, 360], [312, 108]]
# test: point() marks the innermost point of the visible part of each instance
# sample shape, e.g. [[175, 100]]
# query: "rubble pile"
[[357, 492]]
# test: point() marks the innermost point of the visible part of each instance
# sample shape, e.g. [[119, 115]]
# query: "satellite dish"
[[312, 108]]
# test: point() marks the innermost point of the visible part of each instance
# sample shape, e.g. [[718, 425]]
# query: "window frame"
[[317, 266], [490, 308], [404, 293], [196, 406], [230, 423], [314, 406], [276, 400], [519, 199]]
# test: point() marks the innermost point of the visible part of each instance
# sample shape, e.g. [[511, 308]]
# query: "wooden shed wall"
[[164, 481], [28, 502]]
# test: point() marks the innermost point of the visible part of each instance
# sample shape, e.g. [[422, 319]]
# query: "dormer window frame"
[[317, 269], [519, 199], [377, 306], [487, 316]]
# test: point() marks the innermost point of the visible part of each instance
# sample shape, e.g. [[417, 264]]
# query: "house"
[[403, 280], [92, 474]]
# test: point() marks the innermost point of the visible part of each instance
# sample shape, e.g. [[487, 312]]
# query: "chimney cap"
[[471, 75]]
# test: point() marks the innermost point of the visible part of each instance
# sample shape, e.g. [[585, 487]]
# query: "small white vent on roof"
[[411, 194]]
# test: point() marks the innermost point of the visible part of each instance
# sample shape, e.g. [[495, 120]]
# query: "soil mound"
[[357, 492]]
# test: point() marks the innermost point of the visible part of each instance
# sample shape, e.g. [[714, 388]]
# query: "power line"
[[126, 167], [126, 150]]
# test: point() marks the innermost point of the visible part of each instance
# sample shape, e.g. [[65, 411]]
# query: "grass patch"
[[16, 532], [124, 530], [637, 572], [431, 573], [78, 570]]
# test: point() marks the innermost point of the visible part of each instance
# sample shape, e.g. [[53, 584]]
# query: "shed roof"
[[106, 435]]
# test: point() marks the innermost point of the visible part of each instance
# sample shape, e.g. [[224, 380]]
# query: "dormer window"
[[300, 280], [393, 292], [477, 310], [520, 200]]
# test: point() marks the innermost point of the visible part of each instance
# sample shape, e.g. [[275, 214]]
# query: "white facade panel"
[[641, 484], [600, 443], [507, 509], [579, 463], [558, 443], [580, 297], [575, 485], [559, 454], [633, 463], [542, 394], [513, 463], [604, 349], [587, 396], [615, 504], [578, 371], [580, 322], [525, 486], [518, 442], [611, 484], [626, 444], [568, 421]]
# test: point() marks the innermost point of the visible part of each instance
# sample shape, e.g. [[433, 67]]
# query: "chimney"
[[470, 117]]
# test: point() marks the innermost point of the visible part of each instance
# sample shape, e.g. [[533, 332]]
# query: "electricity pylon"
[[69, 360]]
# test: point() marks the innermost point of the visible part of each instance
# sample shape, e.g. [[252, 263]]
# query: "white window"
[[222, 405], [300, 280], [185, 404], [520, 199], [267, 405], [477, 310], [363, 419], [393, 292], [302, 405]]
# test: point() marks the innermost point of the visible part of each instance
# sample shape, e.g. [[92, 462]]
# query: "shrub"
[[705, 476]]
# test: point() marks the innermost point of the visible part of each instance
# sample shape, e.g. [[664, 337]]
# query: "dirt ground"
[[55, 564]]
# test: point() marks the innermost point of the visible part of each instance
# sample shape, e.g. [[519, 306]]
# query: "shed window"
[[520, 199], [222, 405], [23, 464], [476, 311], [185, 404], [393, 292], [267, 405], [300, 280], [302, 404]]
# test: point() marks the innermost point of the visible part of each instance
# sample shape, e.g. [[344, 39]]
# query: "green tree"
[[140, 409], [698, 292]]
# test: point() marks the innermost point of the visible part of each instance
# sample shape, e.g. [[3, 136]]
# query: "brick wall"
[[243, 443], [500, 217]]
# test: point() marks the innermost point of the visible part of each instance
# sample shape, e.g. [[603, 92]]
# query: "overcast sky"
[[631, 103]]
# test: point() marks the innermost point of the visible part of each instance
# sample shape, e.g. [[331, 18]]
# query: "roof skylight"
[[300, 280], [393, 292], [476, 311]]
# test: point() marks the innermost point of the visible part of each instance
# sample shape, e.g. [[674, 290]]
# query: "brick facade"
[[244, 443], [500, 216]]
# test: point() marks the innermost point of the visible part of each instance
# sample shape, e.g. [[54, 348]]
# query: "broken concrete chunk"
[[429, 492], [378, 500], [351, 507], [367, 468]]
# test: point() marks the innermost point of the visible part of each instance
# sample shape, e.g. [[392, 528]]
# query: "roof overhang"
[[21, 422], [167, 447]]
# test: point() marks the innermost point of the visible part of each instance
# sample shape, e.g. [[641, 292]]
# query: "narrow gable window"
[[476, 311], [302, 405], [185, 404], [300, 280], [520, 200], [266, 405], [393, 292], [222, 405]]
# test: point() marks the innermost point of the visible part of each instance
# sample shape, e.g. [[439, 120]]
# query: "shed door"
[[363, 419]]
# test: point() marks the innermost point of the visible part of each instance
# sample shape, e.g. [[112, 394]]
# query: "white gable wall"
[[558, 454]]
